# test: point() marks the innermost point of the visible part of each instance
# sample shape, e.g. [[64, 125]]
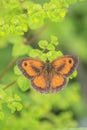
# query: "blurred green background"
[[66, 109]]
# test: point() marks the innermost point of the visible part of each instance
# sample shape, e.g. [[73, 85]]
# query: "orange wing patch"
[[65, 65], [40, 83], [57, 82]]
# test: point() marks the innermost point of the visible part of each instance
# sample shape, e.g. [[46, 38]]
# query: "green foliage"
[[43, 44], [35, 53], [21, 15], [74, 74], [40, 110], [12, 102], [18, 20], [48, 50], [23, 83]]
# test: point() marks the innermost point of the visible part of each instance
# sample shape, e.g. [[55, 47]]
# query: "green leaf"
[[28, 5], [19, 106], [15, 39], [17, 71], [74, 74], [51, 47], [15, 106], [59, 53], [54, 40], [16, 97], [54, 10], [36, 16], [23, 83], [9, 99], [54, 54], [35, 22], [43, 57], [43, 44], [20, 49], [12, 107], [35, 53]]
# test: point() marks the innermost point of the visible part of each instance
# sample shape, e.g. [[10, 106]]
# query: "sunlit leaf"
[[23, 83], [43, 44], [35, 53], [17, 71]]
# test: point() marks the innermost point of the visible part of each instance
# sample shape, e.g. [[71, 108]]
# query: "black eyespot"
[[25, 63], [70, 61]]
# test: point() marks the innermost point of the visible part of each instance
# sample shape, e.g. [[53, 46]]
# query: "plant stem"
[[8, 67], [10, 84]]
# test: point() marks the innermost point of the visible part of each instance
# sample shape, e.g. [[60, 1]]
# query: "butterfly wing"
[[33, 69], [65, 65], [30, 67], [57, 82], [40, 82], [62, 68]]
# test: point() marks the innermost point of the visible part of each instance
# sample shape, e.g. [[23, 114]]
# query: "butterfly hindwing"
[[30, 67], [57, 82], [40, 82], [65, 65]]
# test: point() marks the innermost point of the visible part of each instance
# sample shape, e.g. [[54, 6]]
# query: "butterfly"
[[49, 77]]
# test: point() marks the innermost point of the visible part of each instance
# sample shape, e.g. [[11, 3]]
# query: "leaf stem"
[[10, 84]]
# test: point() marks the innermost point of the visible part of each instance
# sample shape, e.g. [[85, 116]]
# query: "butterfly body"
[[48, 77]]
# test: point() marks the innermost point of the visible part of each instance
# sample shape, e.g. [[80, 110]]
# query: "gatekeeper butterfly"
[[49, 77]]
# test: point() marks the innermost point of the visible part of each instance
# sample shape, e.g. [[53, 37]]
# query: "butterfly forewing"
[[65, 65], [30, 67]]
